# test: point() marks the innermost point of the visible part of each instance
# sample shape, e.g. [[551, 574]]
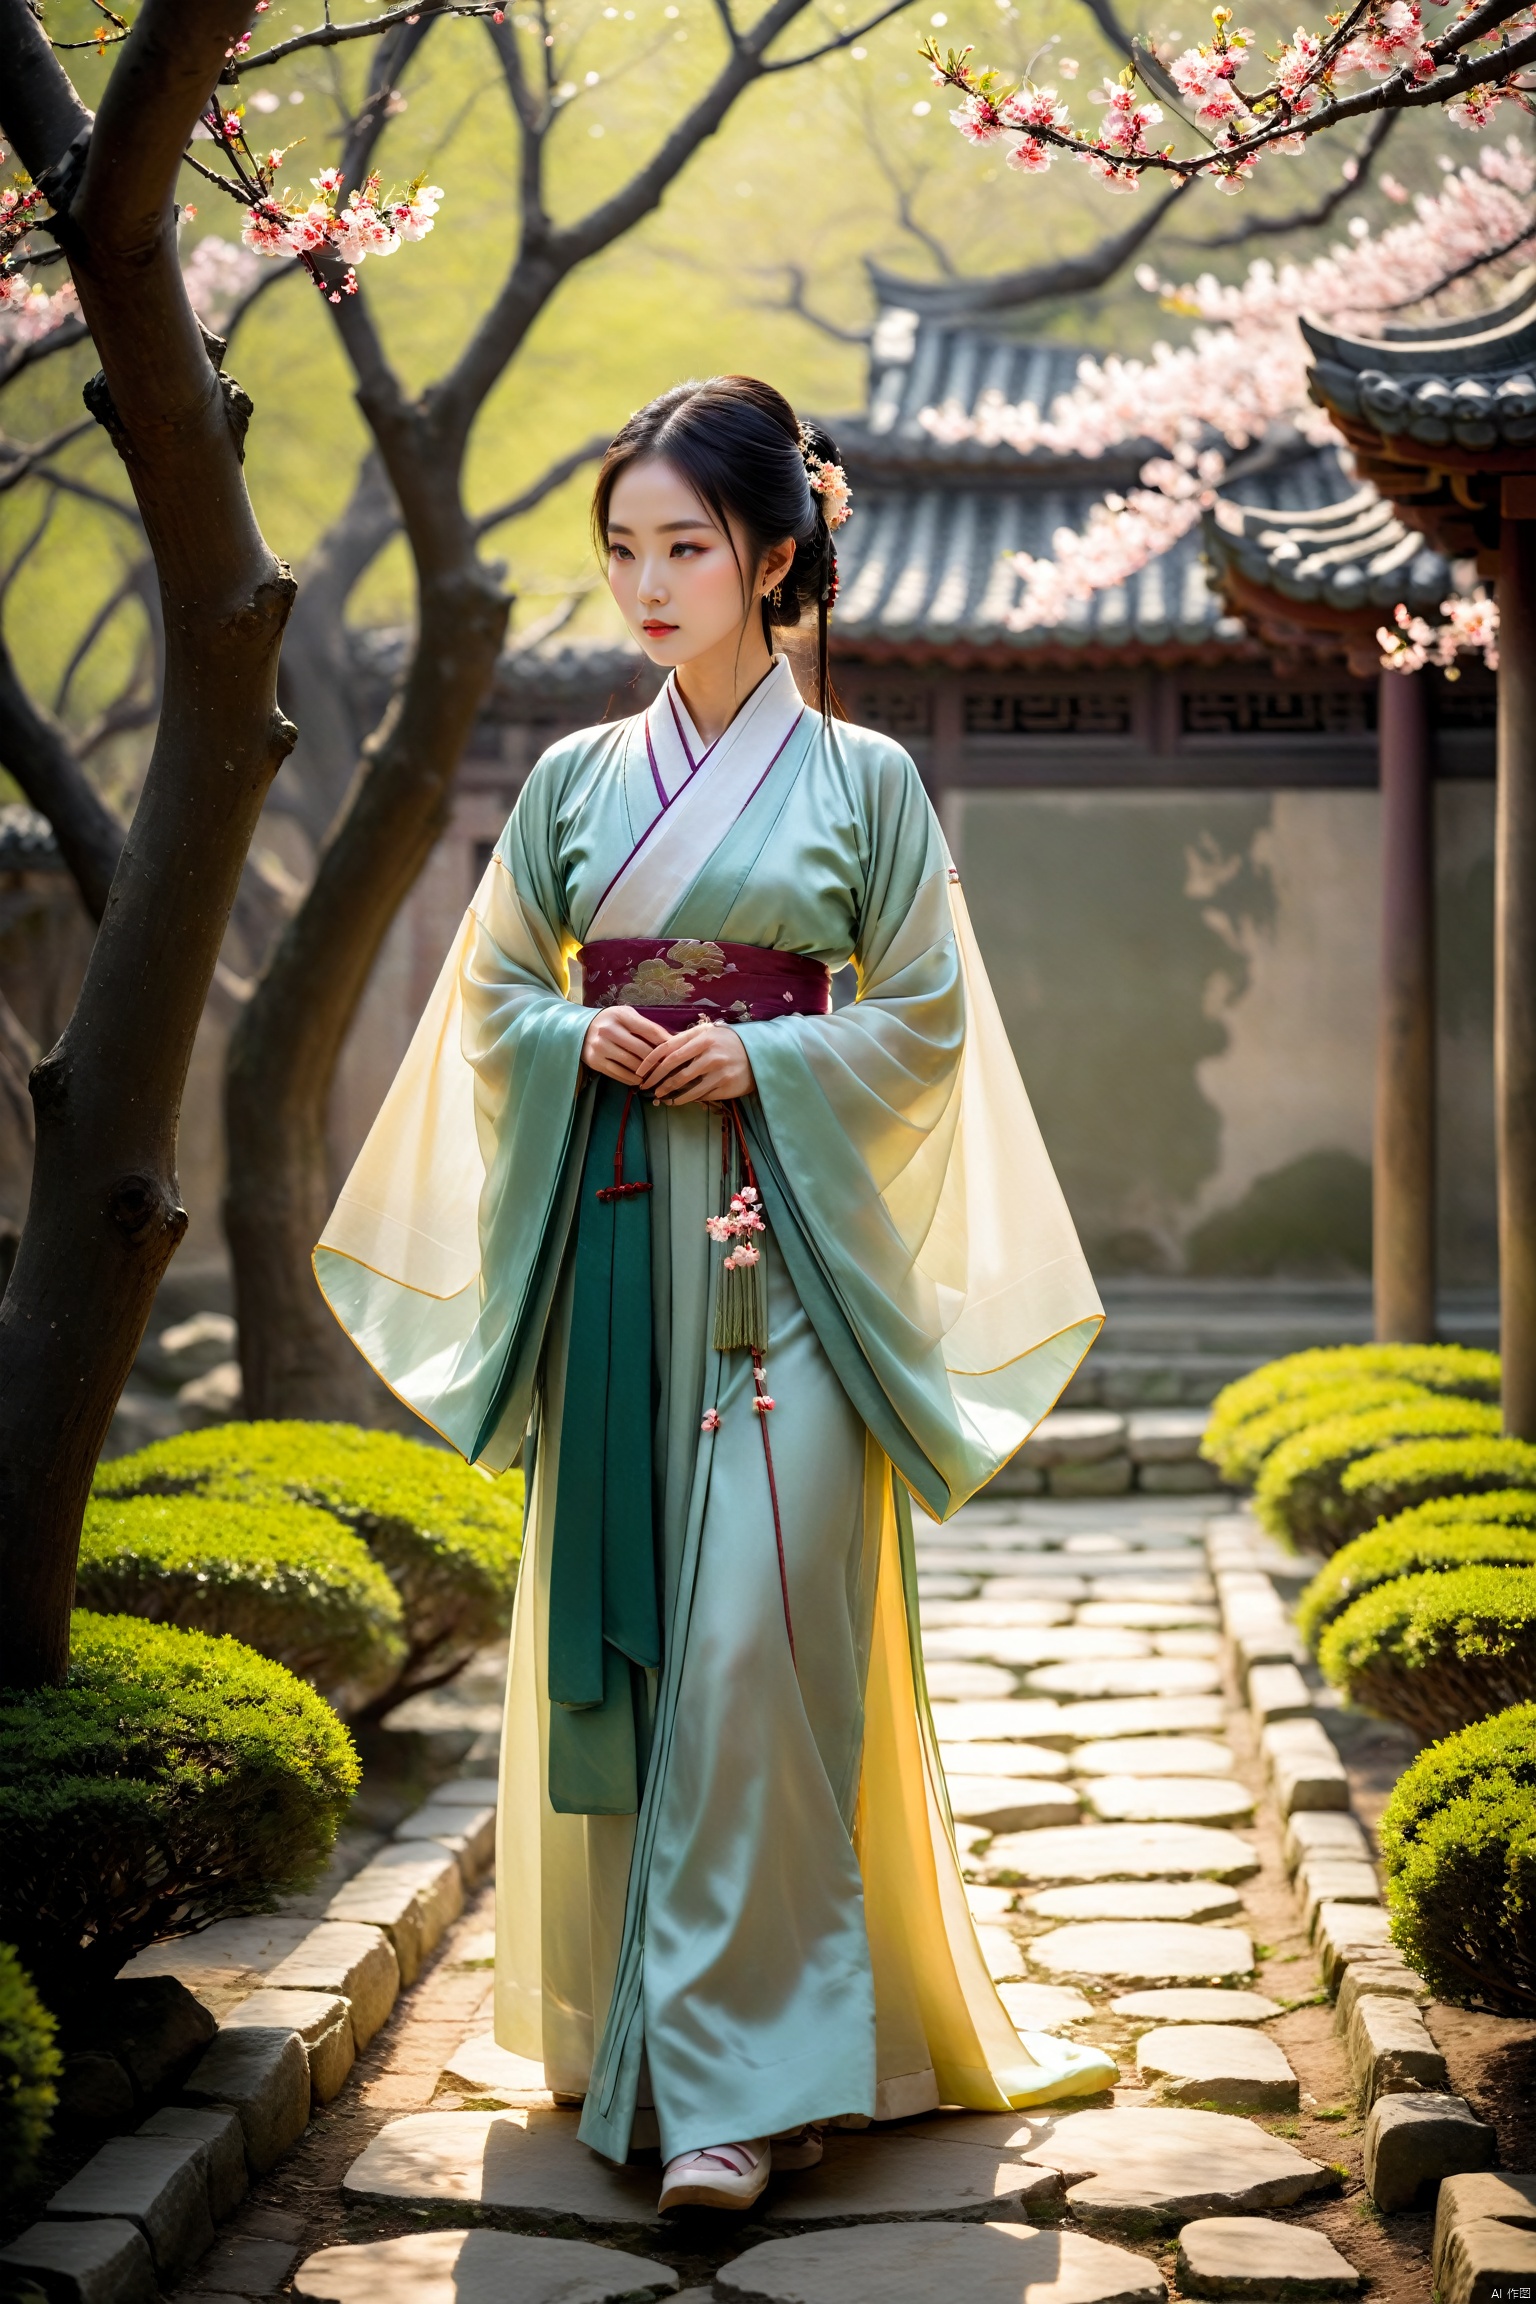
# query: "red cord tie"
[[618, 1189]]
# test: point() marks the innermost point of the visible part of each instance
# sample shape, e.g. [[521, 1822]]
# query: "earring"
[[776, 597]]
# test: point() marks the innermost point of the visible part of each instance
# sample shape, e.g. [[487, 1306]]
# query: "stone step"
[[1255, 2257], [1143, 1952], [1089, 1852], [1344, 1933], [323, 2021], [469, 1831], [482, 2064], [1016, 1721], [992, 2263], [479, 2268], [351, 1958], [1136, 2171], [1011, 1803], [1169, 1799], [104, 2261], [159, 2183], [1485, 2237], [414, 1891], [218, 2137], [1222, 2066], [1131, 1676], [260, 2074], [1390, 2050], [528, 2160], [1324, 1833], [1025, 1645], [1153, 1756], [1030, 1760], [1411, 2142], [1195, 2004], [874, 2177], [1136, 1900]]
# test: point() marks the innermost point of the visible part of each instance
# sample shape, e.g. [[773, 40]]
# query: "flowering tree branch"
[[1479, 61]]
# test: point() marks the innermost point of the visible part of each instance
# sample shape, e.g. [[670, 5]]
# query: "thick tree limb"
[[105, 1214], [1035, 284]]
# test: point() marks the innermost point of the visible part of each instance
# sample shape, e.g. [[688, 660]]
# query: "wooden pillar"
[[1403, 1225], [1514, 1024]]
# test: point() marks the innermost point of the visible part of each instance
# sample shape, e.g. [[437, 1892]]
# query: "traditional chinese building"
[[1165, 818]]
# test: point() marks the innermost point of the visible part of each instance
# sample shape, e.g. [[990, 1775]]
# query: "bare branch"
[[545, 485], [333, 35], [1103, 14], [40, 529], [794, 300], [1036, 284], [1304, 219], [63, 338], [38, 753], [1521, 240], [276, 268], [18, 461], [127, 590], [68, 485], [843, 40], [554, 620]]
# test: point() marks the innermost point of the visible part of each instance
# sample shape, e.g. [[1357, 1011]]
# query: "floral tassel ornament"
[[741, 1307]]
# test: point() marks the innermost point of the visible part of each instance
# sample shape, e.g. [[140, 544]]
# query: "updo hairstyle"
[[737, 443]]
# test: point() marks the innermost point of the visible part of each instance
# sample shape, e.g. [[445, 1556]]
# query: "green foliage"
[[1242, 1454], [29, 2066], [283, 1577], [173, 1780], [1407, 1474], [1458, 1838], [447, 1537], [1411, 1367], [1301, 1490], [1437, 1651], [1400, 1549]]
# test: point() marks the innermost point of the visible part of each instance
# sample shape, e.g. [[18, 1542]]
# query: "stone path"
[[1128, 1859]]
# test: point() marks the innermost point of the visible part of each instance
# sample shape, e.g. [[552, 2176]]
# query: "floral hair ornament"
[[828, 481]]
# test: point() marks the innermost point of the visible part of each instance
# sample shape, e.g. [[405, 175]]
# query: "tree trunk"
[[104, 1216], [1514, 1027], [283, 1055], [1403, 1260]]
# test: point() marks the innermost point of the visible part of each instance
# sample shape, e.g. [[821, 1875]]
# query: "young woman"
[[739, 1274]]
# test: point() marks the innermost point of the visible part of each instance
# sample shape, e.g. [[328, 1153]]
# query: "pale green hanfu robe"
[[780, 1932]]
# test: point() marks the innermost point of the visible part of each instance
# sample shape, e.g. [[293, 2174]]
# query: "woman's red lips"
[[651, 625]]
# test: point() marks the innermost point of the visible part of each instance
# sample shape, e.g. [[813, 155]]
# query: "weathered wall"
[[1189, 983]]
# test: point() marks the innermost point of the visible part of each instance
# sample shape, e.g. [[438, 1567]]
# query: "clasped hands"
[[705, 1065]]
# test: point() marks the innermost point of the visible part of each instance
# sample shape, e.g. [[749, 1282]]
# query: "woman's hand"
[[618, 1041], [704, 1065]]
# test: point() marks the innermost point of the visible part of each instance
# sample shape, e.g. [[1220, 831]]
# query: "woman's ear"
[[776, 563]]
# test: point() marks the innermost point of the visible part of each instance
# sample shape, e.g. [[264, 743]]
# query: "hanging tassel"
[[741, 1302]]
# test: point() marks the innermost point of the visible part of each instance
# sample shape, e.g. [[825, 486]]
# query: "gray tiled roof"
[[1471, 384], [1353, 554], [27, 843], [923, 562]]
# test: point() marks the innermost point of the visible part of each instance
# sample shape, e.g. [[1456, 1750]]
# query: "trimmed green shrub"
[[1450, 1368], [1458, 1838], [1244, 1453], [173, 1780], [447, 1537], [1437, 1651], [1405, 1474], [29, 2066], [282, 1577], [1395, 1549], [1301, 1492]]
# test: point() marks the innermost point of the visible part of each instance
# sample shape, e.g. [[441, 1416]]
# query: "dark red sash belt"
[[679, 980]]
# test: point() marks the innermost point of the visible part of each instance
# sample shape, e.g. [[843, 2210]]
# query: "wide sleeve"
[[921, 1216], [440, 1255]]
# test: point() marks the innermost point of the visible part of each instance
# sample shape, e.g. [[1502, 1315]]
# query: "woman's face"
[[680, 587]]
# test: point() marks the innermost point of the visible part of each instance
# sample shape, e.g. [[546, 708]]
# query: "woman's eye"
[[685, 551], [619, 552]]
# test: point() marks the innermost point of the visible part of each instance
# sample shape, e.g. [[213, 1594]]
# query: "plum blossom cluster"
[[1246, 103], [370, 224], [1469, 626], [742, 1218], [1243, 377]]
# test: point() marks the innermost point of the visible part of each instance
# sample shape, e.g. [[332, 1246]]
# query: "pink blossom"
[[762, 1402], [977, 120], [711, 1422]]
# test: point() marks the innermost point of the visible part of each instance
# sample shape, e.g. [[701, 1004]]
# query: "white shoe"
[[718, 2176], [797, 2148]]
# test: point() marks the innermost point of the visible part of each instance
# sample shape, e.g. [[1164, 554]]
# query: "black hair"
[[738, 444]]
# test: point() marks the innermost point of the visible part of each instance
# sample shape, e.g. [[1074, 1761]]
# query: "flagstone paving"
[[1143, 1952], [1102, 1777]]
